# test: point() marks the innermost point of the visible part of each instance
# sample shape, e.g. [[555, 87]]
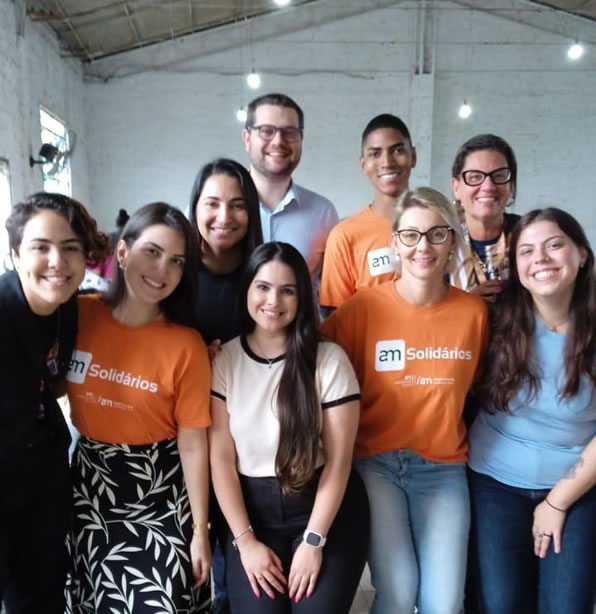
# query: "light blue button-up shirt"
[[302, 219]]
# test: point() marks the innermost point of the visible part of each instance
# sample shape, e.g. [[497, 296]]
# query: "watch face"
[[313, 539]]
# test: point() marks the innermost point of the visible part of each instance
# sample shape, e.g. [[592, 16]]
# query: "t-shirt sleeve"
[[335, 377], [337, 280], [192, 386], [218, 376]]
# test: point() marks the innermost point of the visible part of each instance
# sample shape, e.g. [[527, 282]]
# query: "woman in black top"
[[51, 238], [224, 209]]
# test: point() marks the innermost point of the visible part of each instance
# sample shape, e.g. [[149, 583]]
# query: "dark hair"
[[277, 100], [95, 243], [512, 362], [298, 406], [386, 120], [177, 306], [483, 142], [121, 219], [231, 168]]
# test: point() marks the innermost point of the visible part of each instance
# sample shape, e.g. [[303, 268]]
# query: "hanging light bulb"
[[282, 2], [465, 110], [241, 115], [253, 80], [575, 51]]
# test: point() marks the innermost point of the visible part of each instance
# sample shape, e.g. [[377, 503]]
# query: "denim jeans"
[[420, 518], [511, 578]]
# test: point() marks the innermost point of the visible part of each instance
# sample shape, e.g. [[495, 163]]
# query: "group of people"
[[441, 417]]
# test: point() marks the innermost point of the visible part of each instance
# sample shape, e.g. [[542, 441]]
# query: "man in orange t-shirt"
[[357, 254]]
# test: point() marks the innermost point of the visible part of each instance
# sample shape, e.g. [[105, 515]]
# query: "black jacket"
[[24, 346]]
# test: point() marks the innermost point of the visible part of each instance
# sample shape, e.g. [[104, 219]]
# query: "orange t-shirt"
[[415, 366], [135, 385], [357, 255]]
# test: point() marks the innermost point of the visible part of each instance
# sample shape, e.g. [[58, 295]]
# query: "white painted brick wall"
[[32, 72]]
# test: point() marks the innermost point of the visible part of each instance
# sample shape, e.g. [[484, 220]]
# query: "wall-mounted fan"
[[53, 157]]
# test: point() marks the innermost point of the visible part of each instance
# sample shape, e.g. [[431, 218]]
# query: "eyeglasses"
[[290, 134], [435, 235], [499, 176]]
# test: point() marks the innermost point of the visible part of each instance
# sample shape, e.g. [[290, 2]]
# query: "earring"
[[121, 265], [450, 257]]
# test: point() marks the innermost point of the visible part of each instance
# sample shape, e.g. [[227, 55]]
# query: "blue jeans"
[[420, 519], [511, 578]]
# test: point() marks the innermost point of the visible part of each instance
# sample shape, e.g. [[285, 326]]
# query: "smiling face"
[[276, 158], [387, 160], [222, 217], [153, 264], [548, 261], [272, 298], [425, 260], [485, 203], [50, 261]]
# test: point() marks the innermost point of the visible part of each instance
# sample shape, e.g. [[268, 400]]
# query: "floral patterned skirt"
[[131, 532]]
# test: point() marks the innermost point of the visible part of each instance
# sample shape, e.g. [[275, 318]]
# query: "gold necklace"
[[553, 327]]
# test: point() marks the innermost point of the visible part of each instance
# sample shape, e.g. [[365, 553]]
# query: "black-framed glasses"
[[435, 235], [499, 176], [290, 134]]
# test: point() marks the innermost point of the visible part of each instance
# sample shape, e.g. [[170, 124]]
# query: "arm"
[[262, 566], [549, 516], [194, 457], [339, 434]]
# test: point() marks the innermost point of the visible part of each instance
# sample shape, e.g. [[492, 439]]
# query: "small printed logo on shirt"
[[380, 261], [391, 355], [420, 380], [80, 366]]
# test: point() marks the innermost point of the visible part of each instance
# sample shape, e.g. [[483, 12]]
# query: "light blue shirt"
[[539, 441], [302, 219]]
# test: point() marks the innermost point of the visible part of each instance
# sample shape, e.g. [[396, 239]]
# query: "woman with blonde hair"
[[415, 344]]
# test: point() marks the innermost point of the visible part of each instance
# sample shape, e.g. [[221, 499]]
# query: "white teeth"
[[542, 275], [56, 279], [152, 283]]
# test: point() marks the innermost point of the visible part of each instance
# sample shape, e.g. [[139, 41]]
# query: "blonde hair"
[[429, 198]]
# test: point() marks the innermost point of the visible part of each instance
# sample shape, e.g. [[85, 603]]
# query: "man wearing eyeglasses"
[[272, 137]]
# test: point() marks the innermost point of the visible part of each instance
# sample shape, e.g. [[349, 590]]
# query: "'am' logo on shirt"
[[380, 261], [78, 366], [390, 355]]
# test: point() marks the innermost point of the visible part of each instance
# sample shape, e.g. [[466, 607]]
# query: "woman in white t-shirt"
[[285, 408]]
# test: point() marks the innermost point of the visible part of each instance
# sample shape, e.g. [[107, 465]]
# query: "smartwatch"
[[314, 539]]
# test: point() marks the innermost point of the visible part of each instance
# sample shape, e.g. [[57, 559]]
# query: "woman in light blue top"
[[533, 451]]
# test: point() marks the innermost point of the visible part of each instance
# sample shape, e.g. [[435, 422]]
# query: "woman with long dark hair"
[[285, 408], [484, 183], [51, 238], [415, 344], [532, 451], [138, 385], [224, 210]]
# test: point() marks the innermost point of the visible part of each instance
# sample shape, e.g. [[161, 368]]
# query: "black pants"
[[279, 522], [34, 518]]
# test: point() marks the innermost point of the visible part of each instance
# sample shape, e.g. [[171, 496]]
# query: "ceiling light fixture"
[[241, 115], [253, 80], [575, 51], [282, 2], [465, 110]]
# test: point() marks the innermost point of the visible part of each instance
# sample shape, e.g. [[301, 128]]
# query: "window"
[[5, 206], [56, 174]]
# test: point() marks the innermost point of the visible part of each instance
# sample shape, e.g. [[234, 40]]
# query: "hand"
[[200, 557], [547, 528], [262, 566], [213, 349], [304, 571], [488, 290]]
